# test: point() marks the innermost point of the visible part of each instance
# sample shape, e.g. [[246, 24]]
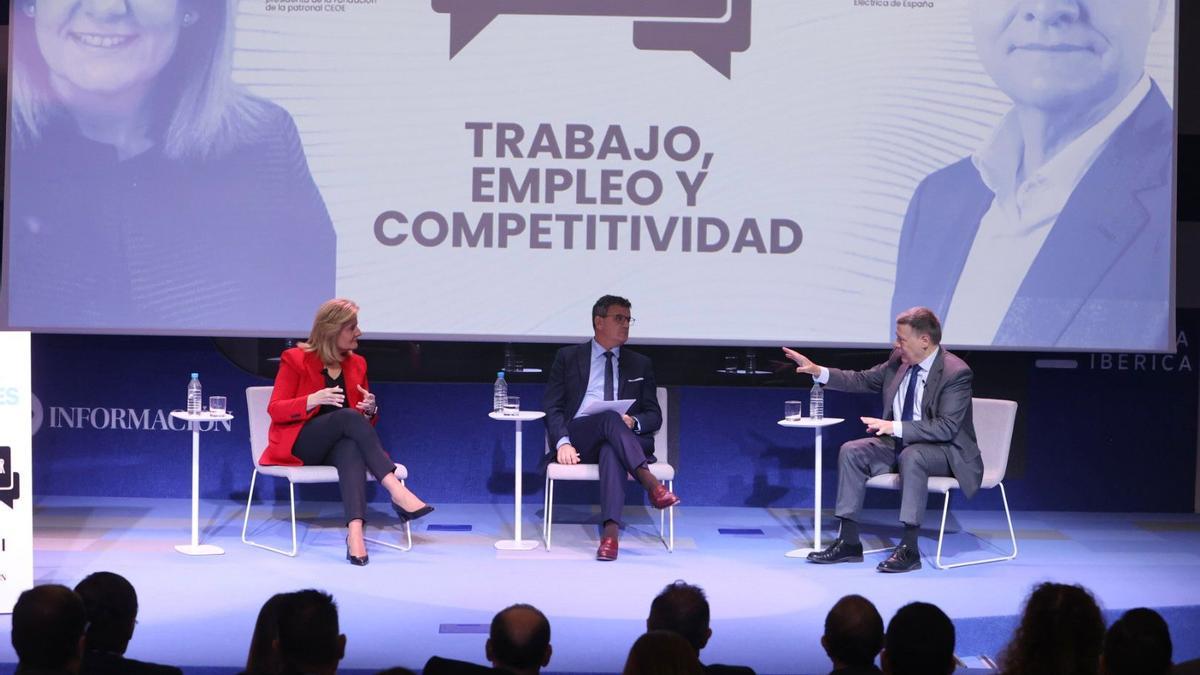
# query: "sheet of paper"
[[618, 406]]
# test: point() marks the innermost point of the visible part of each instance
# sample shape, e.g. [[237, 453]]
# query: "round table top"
[[522, 416], [810, 423], [203, 416]]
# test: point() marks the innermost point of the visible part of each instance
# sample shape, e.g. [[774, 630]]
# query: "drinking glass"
[[216, 405], [793, 410], [512, 406]]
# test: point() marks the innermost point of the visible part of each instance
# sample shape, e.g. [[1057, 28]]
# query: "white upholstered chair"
[[259, 421], [662, 471], [994, 419]]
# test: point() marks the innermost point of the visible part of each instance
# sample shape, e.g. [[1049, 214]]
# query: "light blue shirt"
[[898, 399], [595, 388]]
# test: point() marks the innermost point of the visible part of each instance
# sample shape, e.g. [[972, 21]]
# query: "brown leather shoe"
[[608, 549], [662, 498]]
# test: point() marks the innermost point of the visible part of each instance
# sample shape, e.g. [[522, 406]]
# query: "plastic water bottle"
[[195, 399], [499, 393], [816, 402]]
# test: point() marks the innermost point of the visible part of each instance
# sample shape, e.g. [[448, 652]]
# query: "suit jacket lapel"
[[1103, 214], [889, 391], [583, 358], [624, 371], [933, 383]]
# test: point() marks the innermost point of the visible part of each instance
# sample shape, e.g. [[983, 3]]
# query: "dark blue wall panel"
[[1116, 432]]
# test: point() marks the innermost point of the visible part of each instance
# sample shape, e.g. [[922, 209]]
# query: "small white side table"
[[816, 426], [194, 422], [516, 543]]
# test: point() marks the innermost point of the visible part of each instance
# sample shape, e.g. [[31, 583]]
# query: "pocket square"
[[636, 379]]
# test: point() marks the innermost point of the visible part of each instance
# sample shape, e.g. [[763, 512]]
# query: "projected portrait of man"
[[147, 189], [1057, 231]]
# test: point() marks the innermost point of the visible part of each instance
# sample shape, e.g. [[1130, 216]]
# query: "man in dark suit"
[[683, 608], [1058, 231], [112, 607], [602, 370], [926, 430]]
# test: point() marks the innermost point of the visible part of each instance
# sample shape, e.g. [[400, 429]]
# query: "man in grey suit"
[[926, 430]]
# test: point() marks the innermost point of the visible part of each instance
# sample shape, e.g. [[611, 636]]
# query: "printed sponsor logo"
[[1179, 362], [123, 419]]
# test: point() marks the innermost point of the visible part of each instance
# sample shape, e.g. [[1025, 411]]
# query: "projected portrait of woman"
[[148, 190], [1057, 231]]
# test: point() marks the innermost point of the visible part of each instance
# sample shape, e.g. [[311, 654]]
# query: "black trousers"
[[345, 439], [605, 440]]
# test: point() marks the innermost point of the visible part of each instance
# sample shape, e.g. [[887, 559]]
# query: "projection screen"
[[746, 172]]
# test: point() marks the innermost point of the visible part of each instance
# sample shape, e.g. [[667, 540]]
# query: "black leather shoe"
[[406, 516], [904, 558], [838, 552], [356, 560]]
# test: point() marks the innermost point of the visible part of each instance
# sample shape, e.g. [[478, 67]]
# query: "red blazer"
[[300, 375]]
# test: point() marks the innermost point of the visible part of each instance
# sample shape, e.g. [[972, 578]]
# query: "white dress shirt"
[[595, 386], [898, 399], [1021, 216]]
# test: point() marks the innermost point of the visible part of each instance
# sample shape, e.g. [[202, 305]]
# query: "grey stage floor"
[[436, 599]]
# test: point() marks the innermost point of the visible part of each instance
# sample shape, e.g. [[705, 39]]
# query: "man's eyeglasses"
[[621, 318]]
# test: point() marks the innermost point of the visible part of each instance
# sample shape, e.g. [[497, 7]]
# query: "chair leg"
[[548, 511], [292, 505], [249, 499], [671, 519], [407, 546], [937, 560], [1012, 535]]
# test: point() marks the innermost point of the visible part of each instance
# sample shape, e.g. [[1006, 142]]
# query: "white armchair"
[[259, 420], [994, 419], [661, 470]]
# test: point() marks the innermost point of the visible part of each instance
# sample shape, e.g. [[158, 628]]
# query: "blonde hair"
[[331, 316], [204, 113]]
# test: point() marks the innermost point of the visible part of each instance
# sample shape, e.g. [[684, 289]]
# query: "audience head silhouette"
[[853, 633], [1061, 633], [47, 629], [263, 657], [309, 641], [919, 641], [682, 608], [519, 640], [662, 652], [111, 604], [1138, 643]]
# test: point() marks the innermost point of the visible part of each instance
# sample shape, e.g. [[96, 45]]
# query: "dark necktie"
[[910, 394], [608, 377]]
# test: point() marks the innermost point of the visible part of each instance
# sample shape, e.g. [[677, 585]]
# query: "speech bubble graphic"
[[12, 494], [673, 18], [715, 43], [10, 481]]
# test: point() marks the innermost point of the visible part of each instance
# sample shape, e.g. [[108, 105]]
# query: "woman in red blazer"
[[322, 413]]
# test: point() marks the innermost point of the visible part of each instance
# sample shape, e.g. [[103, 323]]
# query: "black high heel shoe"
[[406, 516], [359, 561]]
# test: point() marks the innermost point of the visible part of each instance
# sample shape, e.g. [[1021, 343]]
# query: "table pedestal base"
[[801, 552], [516, 545], [200, 549]]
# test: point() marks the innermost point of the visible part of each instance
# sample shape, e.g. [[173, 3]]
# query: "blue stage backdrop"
[[1105, 432]]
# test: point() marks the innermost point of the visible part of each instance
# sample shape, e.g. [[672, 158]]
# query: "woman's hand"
[[367, 404], [328, 396]]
